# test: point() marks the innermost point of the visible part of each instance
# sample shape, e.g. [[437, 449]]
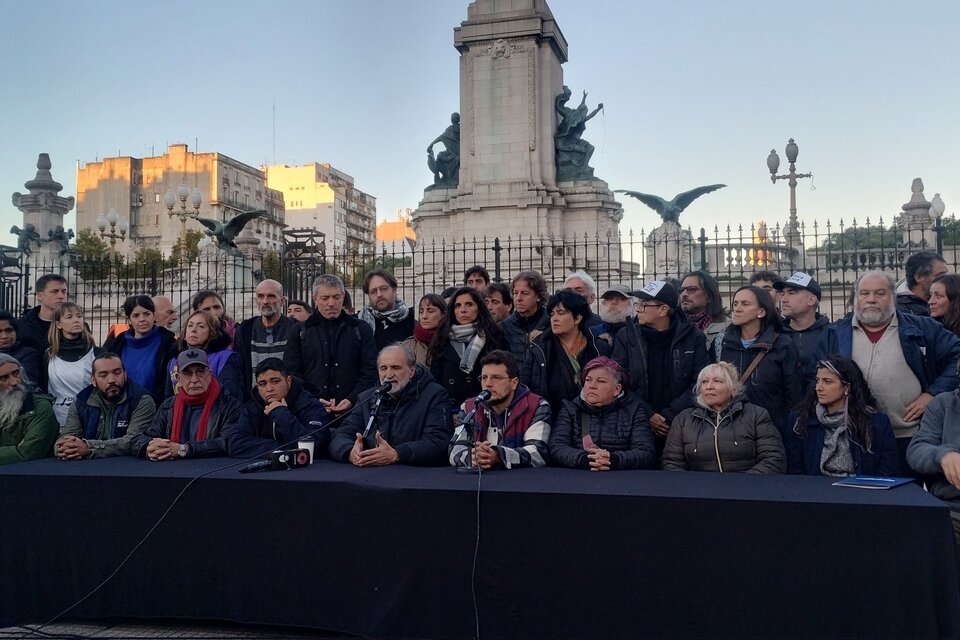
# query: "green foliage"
[[93, 255], [271, 266], [193, 237], [870, 237]]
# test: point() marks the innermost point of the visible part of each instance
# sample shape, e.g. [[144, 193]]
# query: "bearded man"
[[906, 359], [28, 426]]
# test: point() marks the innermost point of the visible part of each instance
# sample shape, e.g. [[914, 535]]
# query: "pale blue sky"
[[696, 92]]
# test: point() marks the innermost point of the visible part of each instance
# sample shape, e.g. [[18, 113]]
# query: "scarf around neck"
[[468, 343], [835, 459], [207, 399], [422, 335], [700, 320], [370, 315]]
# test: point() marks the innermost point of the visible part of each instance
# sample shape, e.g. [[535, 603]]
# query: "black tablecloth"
[[388, 552]]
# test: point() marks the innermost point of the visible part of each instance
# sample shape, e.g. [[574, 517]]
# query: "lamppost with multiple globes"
[[118, 229], [792, 232], [182, 193]]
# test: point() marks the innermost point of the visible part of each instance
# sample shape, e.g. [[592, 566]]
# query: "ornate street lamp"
[[182, 193], [792, 232], [118, 229]]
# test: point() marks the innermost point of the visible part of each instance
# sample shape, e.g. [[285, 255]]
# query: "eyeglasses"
[[644, 305], [199, 372], [690, 289], [494, 378]]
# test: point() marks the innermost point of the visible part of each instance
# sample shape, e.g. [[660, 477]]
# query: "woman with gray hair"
[[723, 432]]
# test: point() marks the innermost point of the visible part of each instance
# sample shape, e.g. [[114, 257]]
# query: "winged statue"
[[224, 234], [670, 211]]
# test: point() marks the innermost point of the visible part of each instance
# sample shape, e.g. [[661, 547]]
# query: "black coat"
[[777, 382], [335, 364], [622, 428], [223, 418], [32, 331], [517, 332], [459, 384], [29, 359], [387, 333], [688, 354], [545, 373], [417, 423], [167, 350], [909, 303]]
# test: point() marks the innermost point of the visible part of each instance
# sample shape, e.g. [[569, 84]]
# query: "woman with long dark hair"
[[429, 318], [945, 301], [202, 330], [766, 359], [466, 334], [69, 358], [838, 430], [146, 347], [557, 355], [212, 302]]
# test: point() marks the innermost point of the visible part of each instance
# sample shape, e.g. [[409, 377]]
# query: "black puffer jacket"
[[688, 355], [807, 342], [336, 359], [740, 438], [622, 428], [417, 423], [777, 382], [544, 372], [258, 433], [517, 329]]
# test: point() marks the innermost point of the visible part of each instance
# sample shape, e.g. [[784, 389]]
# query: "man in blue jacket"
[[279, 413], [906, 359]]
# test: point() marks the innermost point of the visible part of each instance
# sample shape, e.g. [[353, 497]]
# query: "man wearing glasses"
[[511, 428], [662, 353], [27, 424], [701, 303], [193, 423]]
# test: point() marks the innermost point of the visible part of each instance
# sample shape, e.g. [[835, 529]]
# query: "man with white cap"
[[799, 299], [196, 421], [663, 353], [616, 309]]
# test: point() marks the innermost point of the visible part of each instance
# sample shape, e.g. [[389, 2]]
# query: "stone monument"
[[523, 164], [43, 239], [916, 220]]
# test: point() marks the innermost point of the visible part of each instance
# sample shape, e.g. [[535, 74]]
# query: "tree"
[[868, 237], [93, 256], [271, 266], [193, 237]]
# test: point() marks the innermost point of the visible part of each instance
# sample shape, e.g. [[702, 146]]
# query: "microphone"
[[288, 459], [483, 396], [384, 387]]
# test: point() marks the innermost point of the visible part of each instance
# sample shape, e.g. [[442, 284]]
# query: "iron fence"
[[833, 254]]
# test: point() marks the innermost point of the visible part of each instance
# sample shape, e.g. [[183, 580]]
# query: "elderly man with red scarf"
[[195, 422]]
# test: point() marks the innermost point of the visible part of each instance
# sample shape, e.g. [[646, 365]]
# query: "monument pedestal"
[[43, 237], [669, 251]]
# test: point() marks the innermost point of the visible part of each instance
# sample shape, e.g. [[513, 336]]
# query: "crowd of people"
[[505, 375]]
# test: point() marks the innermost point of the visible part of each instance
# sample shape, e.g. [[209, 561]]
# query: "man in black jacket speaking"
[[412, 422]]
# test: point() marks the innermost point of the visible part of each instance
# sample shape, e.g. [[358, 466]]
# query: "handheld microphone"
[[483, 396]]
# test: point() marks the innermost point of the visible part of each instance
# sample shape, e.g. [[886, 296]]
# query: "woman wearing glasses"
[[838, 430]]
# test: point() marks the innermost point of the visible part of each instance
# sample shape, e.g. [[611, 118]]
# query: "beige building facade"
[[321, 197], [135, 187]]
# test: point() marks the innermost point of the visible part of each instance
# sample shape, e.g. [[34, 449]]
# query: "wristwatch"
[[183, 451]]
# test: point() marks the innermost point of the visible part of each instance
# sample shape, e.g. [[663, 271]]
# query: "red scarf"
[[422, 335], [207, 398]]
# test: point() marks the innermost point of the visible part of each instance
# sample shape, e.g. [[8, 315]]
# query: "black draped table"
[[389, 552]]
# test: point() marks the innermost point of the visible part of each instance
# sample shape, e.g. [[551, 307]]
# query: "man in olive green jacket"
[[27, 424]]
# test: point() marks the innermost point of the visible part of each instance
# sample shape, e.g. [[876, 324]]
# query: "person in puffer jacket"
[[723, 432], [605, 428]]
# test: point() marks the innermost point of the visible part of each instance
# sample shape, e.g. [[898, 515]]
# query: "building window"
[[156, 197]]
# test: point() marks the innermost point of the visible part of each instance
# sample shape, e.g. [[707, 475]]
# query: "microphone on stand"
[[379, 392], [468, 421]]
